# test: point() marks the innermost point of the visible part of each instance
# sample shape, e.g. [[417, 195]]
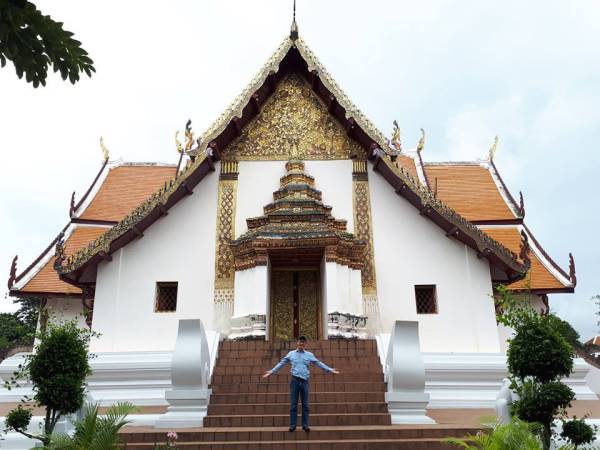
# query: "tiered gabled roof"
[[293, 55], [476, 190], [112, 195]]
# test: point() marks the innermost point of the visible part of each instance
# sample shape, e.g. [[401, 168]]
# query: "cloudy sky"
[[465, 71]]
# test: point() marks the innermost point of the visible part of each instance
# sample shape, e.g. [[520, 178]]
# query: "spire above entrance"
[[294, 29], [297, 222]]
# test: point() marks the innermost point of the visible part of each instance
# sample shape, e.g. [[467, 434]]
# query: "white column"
[[343, 294], [250, 304]]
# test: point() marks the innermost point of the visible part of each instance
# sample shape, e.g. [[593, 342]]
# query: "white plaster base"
[[408, 408], [187, 409]]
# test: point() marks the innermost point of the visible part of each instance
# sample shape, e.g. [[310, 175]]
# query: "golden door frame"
[[319, 297]]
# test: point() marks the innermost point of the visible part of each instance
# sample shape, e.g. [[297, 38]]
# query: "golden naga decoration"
[[189, 135], [105, 153], [421, 143], [189, 138], [395, 141], [178, 143], [493, 148]]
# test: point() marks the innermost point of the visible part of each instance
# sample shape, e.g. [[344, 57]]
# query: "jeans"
[[298, 386]]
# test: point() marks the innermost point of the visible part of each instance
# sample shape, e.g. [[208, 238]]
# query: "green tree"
[[57, 370], [18, 328], [539, 356], [33, 42], [577, 432]]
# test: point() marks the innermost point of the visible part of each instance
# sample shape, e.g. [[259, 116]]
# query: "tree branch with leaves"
[[33, 42]]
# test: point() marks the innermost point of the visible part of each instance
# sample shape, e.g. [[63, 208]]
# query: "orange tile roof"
[[409, 164], [470, 190], [46, 280], [124, 188], [539, 277]]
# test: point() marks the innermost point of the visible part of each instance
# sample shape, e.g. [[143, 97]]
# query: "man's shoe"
[[307, 429], [292, 428]]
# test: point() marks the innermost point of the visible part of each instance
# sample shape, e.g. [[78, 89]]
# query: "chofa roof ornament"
[[493, 149], [105, 153], [421, 143]]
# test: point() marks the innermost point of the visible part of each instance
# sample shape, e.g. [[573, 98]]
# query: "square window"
[[426, 299], [166, 296]]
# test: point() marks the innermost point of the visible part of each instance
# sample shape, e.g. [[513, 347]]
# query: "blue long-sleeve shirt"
[[300, 360]]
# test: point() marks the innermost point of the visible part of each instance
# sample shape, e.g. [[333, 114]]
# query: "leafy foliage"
[[540, 402], [539, 354], [516, 435], [33, 42], [94, 432], [19, 328], [538, 350], [18, 419], [577, 432], [57, 370]]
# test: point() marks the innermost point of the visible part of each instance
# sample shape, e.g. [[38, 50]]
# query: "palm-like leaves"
[[517, 435], [95, 432]]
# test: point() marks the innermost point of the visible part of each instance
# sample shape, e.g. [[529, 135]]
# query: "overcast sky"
[[465, 71]]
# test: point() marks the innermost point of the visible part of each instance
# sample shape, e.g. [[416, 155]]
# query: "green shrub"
[[577, 432], [541, 402], [516, 435], [537, 350], [57, 370], [18, 419]]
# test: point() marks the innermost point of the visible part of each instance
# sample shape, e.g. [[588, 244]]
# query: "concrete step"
[[284, 377], [342, 444], [282, 420], [332, 386], [280, 397], [318, 433], [284, 408], [363, 344], [271, 361], [259, 369]]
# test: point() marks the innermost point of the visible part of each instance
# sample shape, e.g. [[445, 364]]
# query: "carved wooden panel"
[[308, 296], [282, 307], [363, 230], [224, 270], [293, 123]]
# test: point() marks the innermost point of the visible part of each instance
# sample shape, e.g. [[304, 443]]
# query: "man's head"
[[301, 342]]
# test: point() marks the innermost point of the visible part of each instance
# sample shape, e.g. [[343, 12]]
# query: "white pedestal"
[[408, 408], [187, 409]]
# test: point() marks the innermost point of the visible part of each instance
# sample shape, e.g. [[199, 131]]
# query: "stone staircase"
[[347, 411]]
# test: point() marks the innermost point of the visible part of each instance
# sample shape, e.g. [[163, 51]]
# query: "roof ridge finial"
[[493, 148], [105, 153], [294, 29]]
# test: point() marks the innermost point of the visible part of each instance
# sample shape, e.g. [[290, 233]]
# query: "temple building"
[[293, 214]]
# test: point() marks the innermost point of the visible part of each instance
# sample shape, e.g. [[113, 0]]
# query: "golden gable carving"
[[293, 123]]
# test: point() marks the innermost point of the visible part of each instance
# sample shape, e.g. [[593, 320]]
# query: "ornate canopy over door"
[[296, 229]]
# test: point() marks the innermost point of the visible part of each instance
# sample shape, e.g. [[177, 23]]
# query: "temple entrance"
[[295, 303]]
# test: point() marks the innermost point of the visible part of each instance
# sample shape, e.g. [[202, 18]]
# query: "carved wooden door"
[[295, 308]]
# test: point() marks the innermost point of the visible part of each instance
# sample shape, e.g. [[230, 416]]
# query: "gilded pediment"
[[293, 123]]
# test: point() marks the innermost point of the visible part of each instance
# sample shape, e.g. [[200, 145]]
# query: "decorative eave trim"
[[548, 262], [24, 277], [130, 227], [540, 253], [503, 190], [235, 109], [24, 294], [445, 217]]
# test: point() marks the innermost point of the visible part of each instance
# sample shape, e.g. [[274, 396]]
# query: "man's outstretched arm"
[[323, 366], [279, 365]]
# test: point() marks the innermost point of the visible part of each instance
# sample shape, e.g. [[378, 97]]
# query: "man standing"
[[300, 360]]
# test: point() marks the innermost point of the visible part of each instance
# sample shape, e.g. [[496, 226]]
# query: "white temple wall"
[[251, 291], [411, 250], [258, 180], [61, 309], [178, 247]]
